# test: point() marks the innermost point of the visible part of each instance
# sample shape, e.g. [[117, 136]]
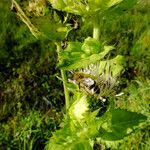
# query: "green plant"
[[136, 98], [81, 126], [29, 131]]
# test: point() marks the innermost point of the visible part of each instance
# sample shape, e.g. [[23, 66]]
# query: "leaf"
[[84, 8], [114, 2], [87, 61], [75, 7], [79, 108], [122, 122], [77, 144], [74, 57], [119, 9], [67, 138], [73, 47], [125, 119], [58, 4], [52, 30], [93, 123], [82, 145], [91, 46]]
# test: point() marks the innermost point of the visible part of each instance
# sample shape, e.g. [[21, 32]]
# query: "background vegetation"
[[31, 95]]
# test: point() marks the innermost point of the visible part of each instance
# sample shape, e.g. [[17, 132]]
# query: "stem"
[[66, 92], [64, 79], [96, 29]]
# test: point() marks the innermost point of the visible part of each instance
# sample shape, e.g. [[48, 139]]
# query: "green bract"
[[115, 65], [79, 108]]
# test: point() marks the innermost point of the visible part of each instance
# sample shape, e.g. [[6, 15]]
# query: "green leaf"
[[58, 4], [119, 9], [73, 47], [78, 55], [125, 119], [81, 63], [75, 7], [93, 123], [91, 46], [112, 3], [67, 138], [51, 29], [79, 108], [82, 145], [122, 124], [77, 144], [84, 8]]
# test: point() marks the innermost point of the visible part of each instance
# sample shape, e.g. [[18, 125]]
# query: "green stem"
[[66, 92], [64, 79], [96, 29]]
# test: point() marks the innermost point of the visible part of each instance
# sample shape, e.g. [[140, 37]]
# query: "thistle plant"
[[93, 71]]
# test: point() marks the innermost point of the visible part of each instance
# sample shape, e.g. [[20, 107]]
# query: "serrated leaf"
[[122, 120], [93, 123], [67, 138], [125, 119], [75, 7], [79, 108], [83, 62], [55, 146], [110, 136]]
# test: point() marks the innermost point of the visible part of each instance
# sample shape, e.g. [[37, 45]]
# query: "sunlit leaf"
[[79, 108], [82, 145], [122, 124], [84, 8], [52, 30], [91, 46], [78, 55]]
